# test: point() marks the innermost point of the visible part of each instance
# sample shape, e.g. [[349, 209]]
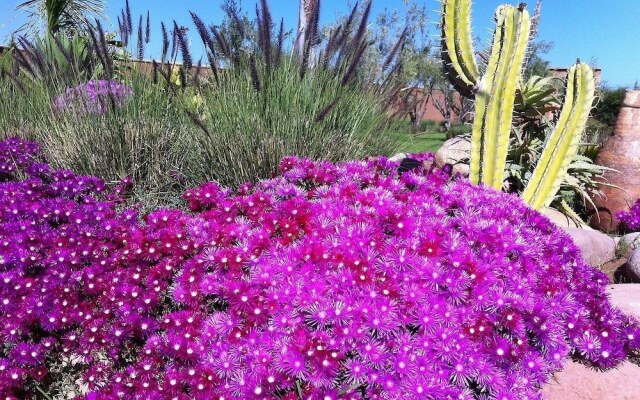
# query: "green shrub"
[[609, 105]]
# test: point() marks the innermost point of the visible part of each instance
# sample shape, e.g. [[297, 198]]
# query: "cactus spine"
[[495, 93]]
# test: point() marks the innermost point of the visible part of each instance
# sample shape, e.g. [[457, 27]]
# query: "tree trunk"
[[304, 17]]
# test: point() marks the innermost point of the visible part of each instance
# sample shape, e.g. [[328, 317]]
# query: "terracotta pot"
[[622, 153]]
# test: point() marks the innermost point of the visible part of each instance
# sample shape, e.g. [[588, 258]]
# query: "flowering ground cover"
[[630, 220], [330, 281]]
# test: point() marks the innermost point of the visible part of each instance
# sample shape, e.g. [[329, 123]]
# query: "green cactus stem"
[[496, 96], [563, 143], [457, 46]]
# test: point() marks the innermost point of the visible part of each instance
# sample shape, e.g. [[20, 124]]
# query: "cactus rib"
[[563, 142], [457, 50], [495, 100]]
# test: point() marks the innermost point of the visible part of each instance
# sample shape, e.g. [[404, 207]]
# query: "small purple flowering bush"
[[630, 220], [93, 97], [330, 281]]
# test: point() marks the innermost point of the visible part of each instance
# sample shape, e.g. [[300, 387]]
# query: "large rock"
[[632, 267], [630, 241], [456, 152], [626, 297], [561, 220], [622, 153], [596, 247], [579, 382]]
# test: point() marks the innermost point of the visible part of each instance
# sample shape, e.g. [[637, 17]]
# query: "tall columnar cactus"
[[495, 94]]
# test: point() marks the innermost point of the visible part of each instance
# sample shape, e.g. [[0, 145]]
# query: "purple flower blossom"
[[630, 220], [93, 97], [332, 281]]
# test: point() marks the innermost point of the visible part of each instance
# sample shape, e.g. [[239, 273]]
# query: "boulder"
[[560, 219], [398, 157], [596, 247], [579, 382], [626, 297], [632, 267], [621, 152], [456, 152], [630, 241]]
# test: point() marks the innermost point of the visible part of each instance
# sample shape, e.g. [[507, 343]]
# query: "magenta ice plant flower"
[[630, 220], [347, 280]]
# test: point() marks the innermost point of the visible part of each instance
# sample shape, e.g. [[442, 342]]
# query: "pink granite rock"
[[627, 298], [578, 382], [596, 247]]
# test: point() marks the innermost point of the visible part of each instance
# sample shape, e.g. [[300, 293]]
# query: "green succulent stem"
[[457, 46], [563, 143], [496, 96]]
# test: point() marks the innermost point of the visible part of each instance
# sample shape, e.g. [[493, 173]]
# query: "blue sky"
[[591, 30]]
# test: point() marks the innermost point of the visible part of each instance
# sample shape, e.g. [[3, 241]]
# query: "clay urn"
[[622, 153]]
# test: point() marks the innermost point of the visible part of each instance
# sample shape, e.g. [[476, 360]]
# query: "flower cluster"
[[93, 97], [331, 281], [630, 220]]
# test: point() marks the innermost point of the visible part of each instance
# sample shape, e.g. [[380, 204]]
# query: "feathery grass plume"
[[213, 65], [255, 78], [165, 42], [174, 43], [147, 33], [350, 73], [155, 72], [125, 30], [265, 24], [347, 27], [325, 111], [68, 57], [280, 44], [104, 49], [360, 35], [97, 48], [140, 47], [17, 81], [397, 48], [120, 27], [331, 46], [205, 36], [129, 19], [222, 43], [28, 58], [187, 62]]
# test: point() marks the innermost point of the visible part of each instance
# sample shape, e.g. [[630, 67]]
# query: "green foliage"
[[181, 126], [245, 132], [608, 106], [64, 59], [496, 93], [68, 16], [146, 139]]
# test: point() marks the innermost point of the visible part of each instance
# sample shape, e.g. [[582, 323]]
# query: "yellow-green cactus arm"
[[563, 143]]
